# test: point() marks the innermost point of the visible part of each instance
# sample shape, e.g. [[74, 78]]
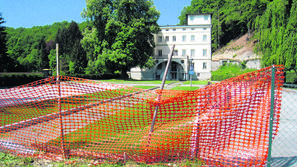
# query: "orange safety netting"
[[224, 124]]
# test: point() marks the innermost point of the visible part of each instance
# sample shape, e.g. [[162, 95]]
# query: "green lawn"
[[124, 120], [186, 88], [12, 160], [119, 81], [25, 111], [144, 87], [126, 127], [196, 82]]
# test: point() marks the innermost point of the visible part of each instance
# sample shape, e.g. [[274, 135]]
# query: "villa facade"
[[192, 51]]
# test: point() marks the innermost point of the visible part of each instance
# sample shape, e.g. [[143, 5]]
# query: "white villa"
[[192, 51]]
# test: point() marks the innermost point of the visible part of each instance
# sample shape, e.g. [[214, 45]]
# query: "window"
[[205, 17], [182, 61], [175, 52], [204, 65], [192, 28], [204, 52], [159, 38], [184, 52], [184, 29], [204, 28], [174, 29], [192, 37], [192, 18], [184, 38], [192, 52], [173, 38], [204, 37], [160, 52], [167, 38], [167, 29]]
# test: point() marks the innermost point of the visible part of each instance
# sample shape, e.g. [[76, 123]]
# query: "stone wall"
[[252, 63]]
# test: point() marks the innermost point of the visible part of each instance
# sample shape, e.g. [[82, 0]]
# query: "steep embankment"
[[239, 50]]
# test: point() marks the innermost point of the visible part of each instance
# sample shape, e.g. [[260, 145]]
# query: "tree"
[[5, 61], [72, 55], [123, 32], [277, 34]]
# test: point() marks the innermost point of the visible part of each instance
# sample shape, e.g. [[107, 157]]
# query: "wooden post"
[[57, 60], [59, 104], [162, 87]]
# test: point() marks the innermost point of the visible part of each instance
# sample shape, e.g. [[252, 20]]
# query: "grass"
[[186, 88], [119, 81], [31, 110], [126, 128], [199, 82], [113, 129], [11, 160], [144, 87]]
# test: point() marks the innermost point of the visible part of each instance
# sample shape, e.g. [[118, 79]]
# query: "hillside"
[[240, 49]]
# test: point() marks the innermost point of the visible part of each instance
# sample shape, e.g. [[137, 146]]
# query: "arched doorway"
[[175, 72]]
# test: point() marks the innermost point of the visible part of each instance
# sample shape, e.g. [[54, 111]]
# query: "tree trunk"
[[124, 74]]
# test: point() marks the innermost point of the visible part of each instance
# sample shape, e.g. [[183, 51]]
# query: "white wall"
[[198, 19]]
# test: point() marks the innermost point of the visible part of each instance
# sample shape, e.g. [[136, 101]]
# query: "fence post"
[[59, 104], [162, 87], [271, 115]]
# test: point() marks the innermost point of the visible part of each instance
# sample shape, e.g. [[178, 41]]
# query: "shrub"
[[228, 71]]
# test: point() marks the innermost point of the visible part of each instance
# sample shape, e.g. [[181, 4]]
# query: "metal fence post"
[[271, 115]]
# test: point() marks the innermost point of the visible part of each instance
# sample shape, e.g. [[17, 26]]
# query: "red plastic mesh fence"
[[224, 124]]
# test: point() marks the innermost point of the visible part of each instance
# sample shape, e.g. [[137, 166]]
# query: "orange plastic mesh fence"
[[224, 124]]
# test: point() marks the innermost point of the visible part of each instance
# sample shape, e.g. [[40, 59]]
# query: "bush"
[[16, 79], [97, 76], [228, 71]]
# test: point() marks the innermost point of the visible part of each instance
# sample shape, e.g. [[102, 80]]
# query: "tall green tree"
[[277, 33], [72, 55], [5, 60], [123, 32]]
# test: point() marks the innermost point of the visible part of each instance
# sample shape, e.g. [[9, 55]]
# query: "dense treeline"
[[272, 21], [30, 48], [118, 35]]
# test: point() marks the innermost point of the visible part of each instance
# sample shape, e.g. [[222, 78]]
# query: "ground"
[[238, 49]]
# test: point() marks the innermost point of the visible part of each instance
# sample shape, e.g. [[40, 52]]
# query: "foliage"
[[230, 18], [228, 71], [277, 34], [5, 60], [16, 79], [121, 34], [29, 47], [71, 53]]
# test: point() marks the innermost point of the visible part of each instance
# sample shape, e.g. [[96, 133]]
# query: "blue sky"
[[29, 13]]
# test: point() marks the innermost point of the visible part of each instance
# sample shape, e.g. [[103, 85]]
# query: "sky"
[[29, 13]]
